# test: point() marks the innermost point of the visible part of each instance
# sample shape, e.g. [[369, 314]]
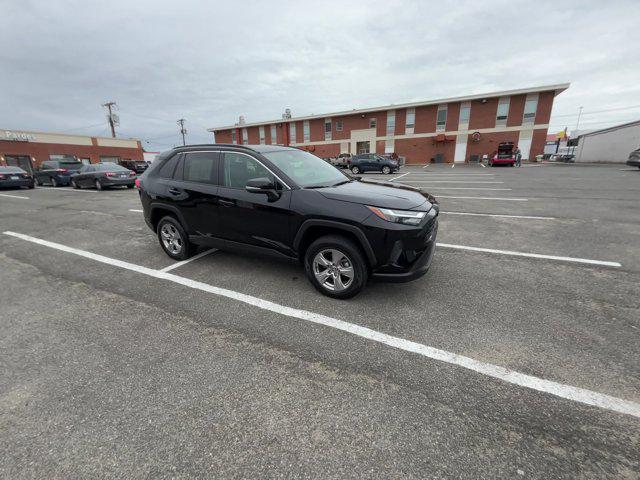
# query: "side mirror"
[[263, 185]]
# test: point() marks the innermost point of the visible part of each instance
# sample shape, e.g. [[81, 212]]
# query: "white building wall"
[[609, 147]]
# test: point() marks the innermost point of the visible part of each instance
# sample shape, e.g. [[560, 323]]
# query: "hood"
[[379, 194]]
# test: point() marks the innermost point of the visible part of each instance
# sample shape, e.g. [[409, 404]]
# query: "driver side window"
[[238, 169]]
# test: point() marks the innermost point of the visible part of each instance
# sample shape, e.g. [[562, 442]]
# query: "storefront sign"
[[18, 136]]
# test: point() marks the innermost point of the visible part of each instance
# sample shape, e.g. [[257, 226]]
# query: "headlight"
[[406, 217]]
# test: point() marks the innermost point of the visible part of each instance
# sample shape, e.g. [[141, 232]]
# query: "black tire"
[[32, 186], [54, 182], [38, 182], [187, 248], [355, 170], [491, 163], [74, 184], [386, 170], [354, 258], [129, 186], [98, 185]]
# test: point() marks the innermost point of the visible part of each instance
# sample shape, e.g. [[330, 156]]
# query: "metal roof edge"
[[558, 88]]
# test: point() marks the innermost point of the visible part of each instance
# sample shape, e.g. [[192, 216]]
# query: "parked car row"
[[59, 173]]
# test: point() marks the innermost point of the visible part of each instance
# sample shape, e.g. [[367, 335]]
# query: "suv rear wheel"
[[386, 170], [335, 266], [355, 170], [173, 239]]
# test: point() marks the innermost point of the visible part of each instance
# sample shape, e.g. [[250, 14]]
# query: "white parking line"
[[399, 176], [482, 165], [507, 199], [14, 196], [449, 181], [426, 165], [474, 188], [184, 262], [450, 175], [581, 395], [528, 217], [135, 210], [531, 255], [55, 189]]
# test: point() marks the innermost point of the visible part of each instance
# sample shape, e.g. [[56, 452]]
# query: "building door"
[[524, 143], [22, 161], [461, 148], [362, 147]]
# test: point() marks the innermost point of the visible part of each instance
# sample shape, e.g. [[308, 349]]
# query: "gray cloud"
[[212, 61]]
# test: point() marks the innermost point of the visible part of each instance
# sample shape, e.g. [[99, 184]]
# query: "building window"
[[372, 123], [388, 145], [245, 137], [465, 114], [292, 132], [261, 130], [411, 120], [339, 125], [306, 130], [503, 112], [274, 136], [327, 129], [391, 122], [530, 107], [234, 140], [441, 118]]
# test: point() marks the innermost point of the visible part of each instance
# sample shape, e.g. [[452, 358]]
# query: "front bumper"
[[406, 253]]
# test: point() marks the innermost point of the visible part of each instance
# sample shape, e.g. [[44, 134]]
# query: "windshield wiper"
[[341, 183], [316, 186]]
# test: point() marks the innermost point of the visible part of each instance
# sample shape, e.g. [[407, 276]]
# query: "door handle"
[[227, 203], [174, 191]]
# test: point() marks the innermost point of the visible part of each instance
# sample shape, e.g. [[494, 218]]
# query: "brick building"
[[456, 129], [29, 149]]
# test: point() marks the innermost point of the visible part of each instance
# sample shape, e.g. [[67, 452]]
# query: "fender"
[[364, 243], [172, 209]]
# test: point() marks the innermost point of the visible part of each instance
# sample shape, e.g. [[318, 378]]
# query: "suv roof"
[[252, 148]]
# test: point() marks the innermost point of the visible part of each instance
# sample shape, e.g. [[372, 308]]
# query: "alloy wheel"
[[386, 170], [171, 239], [355, 170], [333, 270]]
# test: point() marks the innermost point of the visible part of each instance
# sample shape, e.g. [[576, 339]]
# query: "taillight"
[[137, 182], [132, 173], [62, 170], [26, 175], [110, 174], [1, 176]]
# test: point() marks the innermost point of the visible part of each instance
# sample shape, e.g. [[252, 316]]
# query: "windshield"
[[11, 170], [306, 169], [71, 165]]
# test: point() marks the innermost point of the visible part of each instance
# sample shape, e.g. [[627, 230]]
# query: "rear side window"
[[166, 170], [201, 167]]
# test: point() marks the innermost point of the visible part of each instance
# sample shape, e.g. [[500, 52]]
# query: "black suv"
[[285, 201], [138, 166], [371, 162]]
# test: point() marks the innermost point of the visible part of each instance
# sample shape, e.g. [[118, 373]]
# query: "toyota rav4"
[[288, 202]]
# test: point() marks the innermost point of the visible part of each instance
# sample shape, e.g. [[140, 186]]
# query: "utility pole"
[[109, 105], [183, 130], [579, 115]]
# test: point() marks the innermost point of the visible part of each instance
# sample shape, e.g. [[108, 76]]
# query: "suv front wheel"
[[355, 170], [335, 266], [173, 239]]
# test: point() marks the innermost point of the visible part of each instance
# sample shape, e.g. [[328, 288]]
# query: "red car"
[[504, 156]]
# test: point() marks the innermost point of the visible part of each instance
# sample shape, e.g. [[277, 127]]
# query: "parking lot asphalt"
[[108, 371]]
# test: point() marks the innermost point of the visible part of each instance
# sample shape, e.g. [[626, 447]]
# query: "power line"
[[83, 128], [597, 111]]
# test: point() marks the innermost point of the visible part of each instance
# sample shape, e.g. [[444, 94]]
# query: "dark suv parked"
[[288, 202], [56, 172], [138, 166], [371, 162]]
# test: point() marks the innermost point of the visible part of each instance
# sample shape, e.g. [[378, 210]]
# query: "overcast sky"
[[211, 61]]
